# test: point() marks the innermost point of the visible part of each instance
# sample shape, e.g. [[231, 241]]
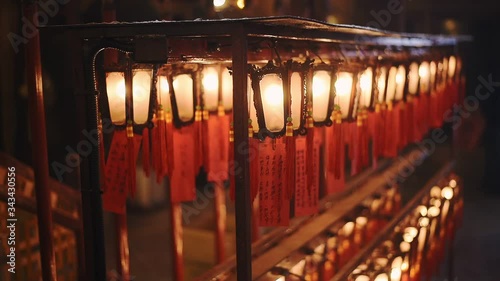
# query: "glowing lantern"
[[365, 84], [344, 92], [115, 88]]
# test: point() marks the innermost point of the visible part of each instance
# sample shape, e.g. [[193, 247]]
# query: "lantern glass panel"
[[227, 89], [210, 83], [433, 70], [343, 89], [413, 78], [252, 112], [424, 73], [115, 88], [391, 84], [163, 90], [365, 84], [296, 94], [271, 87], [183, 89], [141, 82], [444, 72], [452, 66], [381, 81], [321, 94], [400, 82]]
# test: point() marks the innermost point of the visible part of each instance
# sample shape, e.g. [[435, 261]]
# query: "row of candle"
[[322, 257], [418, 244]]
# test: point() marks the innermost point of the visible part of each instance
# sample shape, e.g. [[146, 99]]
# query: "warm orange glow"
[[365, 83], [183, 88], [425, 78], [296, 93], [400, 82], [452, 64], [381, 83], [227, 89], [210, 82], [115, 88], [163, 89], [141, 82], [453, 183], [391, 84], [447, 193], [272, 102], [413, 78], [320, 94], [343, 90]]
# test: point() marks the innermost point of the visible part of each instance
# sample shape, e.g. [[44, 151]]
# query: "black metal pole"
[[92, 212], [241, 163], [39, 143]]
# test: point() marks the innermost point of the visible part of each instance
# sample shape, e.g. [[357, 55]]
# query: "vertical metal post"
[[176, 230], [92, 212], [39, 142], [241, 165], [220, 217]]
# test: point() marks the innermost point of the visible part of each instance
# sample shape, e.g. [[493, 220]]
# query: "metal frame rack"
[[238, 42]]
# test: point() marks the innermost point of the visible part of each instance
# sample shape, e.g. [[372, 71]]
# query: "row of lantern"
[[276, 92], [324, 256], [172, 104], [417, 247], [216, 82]]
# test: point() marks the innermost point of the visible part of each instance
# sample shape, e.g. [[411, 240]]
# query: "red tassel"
[[373, 127], [254, 154], [131, 160], [290, 160], [391, 132], [155, 154], [197, 137], [356, 144], [145, 151], [162, 145], [169, 130], [208, 142], [366, 140], [310, 150]]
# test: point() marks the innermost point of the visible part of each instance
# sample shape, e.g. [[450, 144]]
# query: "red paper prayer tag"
[[307, 192], [274, 209], [183, 184], [116, 173], [217, 142]]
